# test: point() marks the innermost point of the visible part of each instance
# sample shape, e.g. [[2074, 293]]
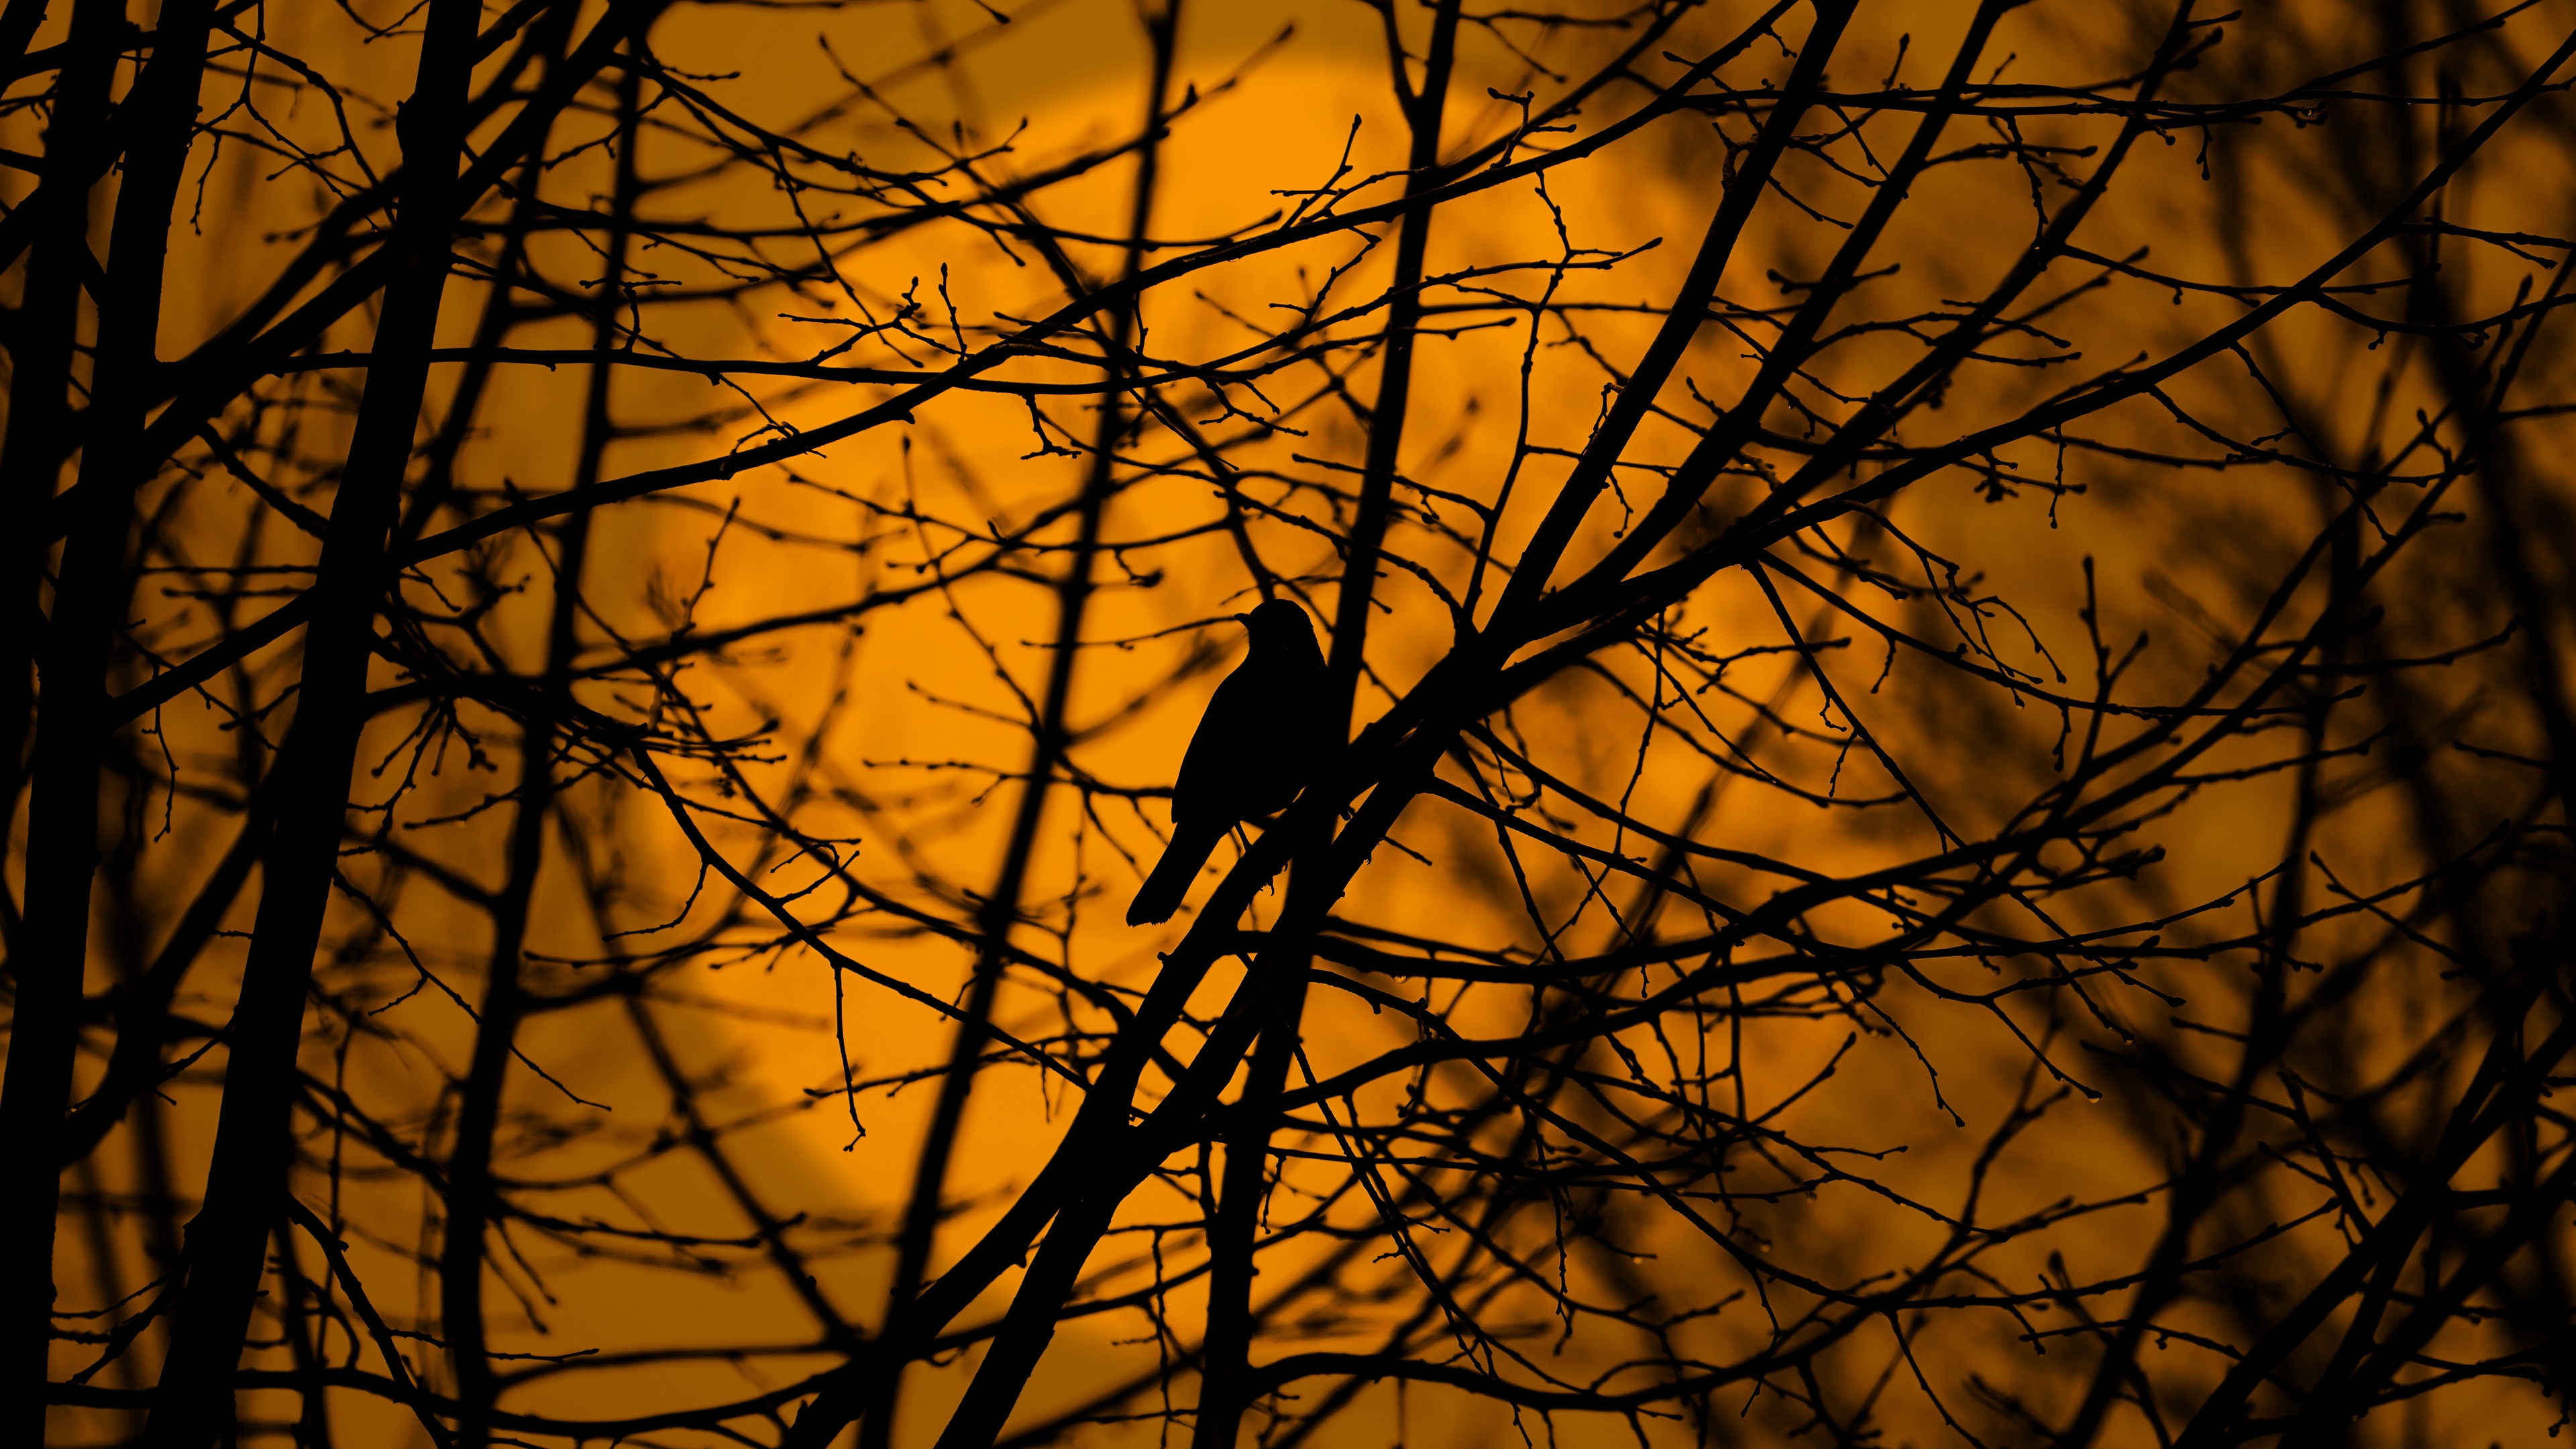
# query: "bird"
[[1254, 750]]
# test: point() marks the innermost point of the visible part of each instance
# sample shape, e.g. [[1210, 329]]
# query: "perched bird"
[[1255, 748]]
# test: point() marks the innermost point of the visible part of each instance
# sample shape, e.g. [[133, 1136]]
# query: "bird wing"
[[1228, 734]]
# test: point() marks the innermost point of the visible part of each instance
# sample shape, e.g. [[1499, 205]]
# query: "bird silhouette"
[[1253, 752]]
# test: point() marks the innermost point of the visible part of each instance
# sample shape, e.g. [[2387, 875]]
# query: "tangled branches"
[[1954, 824]]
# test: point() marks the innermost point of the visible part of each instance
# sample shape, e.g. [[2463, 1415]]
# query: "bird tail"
[[1161, 894]]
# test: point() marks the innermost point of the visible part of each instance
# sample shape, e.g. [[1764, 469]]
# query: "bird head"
[[1280, 625]]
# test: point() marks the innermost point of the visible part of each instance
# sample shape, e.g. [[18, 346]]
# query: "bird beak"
[[1244, 619]]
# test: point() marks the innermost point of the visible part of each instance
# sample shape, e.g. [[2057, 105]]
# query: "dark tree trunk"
[[227, 1241], [50, 955]]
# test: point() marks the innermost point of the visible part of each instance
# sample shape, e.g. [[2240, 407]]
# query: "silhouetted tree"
[[1944, 800]]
